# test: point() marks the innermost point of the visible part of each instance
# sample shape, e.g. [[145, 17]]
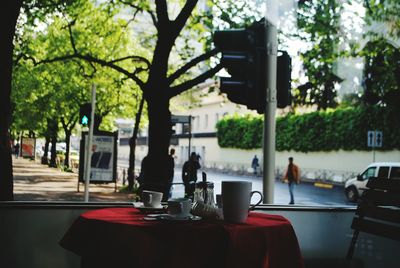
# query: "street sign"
[[378, 139], [180, 119], [375, 138]]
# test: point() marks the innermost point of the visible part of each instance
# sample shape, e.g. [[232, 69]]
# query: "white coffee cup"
[[236, 196], [151, 199], [179, 207]]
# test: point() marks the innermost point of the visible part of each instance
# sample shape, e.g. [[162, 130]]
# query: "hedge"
[[316, 131]]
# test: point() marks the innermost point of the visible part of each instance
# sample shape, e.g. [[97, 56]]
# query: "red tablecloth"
[[119, 237]]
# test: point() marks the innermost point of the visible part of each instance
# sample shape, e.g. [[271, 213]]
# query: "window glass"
[[370, 172], [395, 173], [383, 172], [197, 120], [227, 153]]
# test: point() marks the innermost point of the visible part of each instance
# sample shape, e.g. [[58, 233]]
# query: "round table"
[[120, 237]]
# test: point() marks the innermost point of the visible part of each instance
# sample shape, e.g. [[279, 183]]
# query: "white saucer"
[[144, 207], [169, 217]]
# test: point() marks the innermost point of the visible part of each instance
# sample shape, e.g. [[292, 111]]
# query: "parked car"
[[355, 187]]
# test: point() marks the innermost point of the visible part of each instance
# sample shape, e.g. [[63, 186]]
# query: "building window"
[[206, 121], [197, 120]]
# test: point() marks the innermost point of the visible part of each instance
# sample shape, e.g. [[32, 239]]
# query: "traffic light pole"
[[269, 115], [88, 158]]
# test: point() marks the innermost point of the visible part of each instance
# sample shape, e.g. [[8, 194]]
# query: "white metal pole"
[[88, 158], [269, 115], [374, 145]]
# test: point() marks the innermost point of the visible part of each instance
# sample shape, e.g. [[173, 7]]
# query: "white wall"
[[338, 165]]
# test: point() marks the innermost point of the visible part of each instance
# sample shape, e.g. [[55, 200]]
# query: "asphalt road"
[[305, 193]]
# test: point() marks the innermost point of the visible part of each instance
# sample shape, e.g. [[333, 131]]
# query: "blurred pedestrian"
[[189, 174], [16, 150], [171, 167], [292, 176], [255, 165]]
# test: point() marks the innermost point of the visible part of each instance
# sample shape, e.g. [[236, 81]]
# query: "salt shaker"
[[204, 192]]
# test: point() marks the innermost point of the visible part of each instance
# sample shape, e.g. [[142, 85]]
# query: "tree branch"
[[109, 64], [151, 13], [64, 125], [183, 16], [162, 11], [70, 35], [134, 58], [191, 64], [176, 90], [92, 59]]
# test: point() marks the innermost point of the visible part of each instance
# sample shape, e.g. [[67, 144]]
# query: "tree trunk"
[[53, 152], [45, 157], [53, 131], [156, 167], [9, 12], [132, 146], [67, 143]]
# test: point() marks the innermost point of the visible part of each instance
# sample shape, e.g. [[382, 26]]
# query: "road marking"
[[323, 185]]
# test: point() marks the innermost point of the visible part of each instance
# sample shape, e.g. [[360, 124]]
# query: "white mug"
[[151, 199], [179, 207], [236, 196]]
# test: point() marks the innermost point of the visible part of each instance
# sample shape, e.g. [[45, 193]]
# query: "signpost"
[[374, 140], [183, 119], [103, 159], [28, 147]]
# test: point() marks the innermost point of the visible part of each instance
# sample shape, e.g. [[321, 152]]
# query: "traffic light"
[[243, 56], [283, 80], [85, 112]]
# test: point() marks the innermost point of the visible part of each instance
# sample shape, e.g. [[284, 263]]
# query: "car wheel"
[[352, 194]]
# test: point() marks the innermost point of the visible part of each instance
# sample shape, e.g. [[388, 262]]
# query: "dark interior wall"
[[30, 234]]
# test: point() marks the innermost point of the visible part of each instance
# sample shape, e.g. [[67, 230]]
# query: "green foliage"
[[243, 131], [381, 72], [318, 23], [381, 54], [56, 90], [344, 129], [386, 12]]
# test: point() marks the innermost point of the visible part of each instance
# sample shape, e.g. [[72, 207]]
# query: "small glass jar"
[[204, 192]]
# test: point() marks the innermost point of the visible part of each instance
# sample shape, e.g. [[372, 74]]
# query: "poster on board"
[[103, 160], [28, 147]]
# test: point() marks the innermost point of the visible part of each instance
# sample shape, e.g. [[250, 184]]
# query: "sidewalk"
[[36, 182]]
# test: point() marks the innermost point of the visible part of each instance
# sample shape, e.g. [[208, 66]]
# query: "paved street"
[[36, 182], [305, 193]]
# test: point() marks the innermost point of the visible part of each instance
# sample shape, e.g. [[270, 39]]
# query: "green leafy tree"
[[8, 16], [382, 53], [386, 12], [154, 77], [381, 73], [318, 23], [70, 81]]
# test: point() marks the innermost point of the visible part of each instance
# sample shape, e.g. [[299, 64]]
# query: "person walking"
[[255, 165], [292, 176], [171, 167], [189, 174], [16, 150]]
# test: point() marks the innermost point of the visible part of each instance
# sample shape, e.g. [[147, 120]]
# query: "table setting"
[[226, 233]]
